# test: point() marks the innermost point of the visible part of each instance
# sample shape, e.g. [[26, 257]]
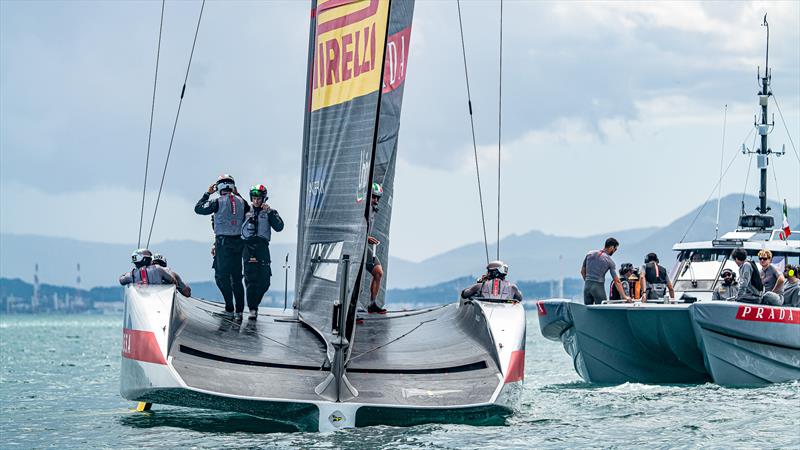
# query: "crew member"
[[728, 288], [373, 264], [493, 285], [183, 288], [593, 271], [772, 278], [791, 289], [229, 210], [655, 282], [751, 287], [256, 232], [144, 272], [625, 274]]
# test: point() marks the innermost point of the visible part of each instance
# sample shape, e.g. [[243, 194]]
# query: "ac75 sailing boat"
[[318, 367], [695, 340]]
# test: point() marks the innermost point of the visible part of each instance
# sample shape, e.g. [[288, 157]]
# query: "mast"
[[763, 129]]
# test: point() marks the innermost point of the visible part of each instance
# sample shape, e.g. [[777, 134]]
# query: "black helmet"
[[142, 257], [159, 259], [728, 274], [497, 269], [625, 268], [225, 181]]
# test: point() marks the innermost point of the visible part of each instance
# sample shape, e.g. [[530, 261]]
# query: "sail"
[[341, 117], [394, 75]]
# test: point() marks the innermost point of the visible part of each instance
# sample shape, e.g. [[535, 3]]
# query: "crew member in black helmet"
[[229, 210], [256, 232], [493, 285], [655, 282]]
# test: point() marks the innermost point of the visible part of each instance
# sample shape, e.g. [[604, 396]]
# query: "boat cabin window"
[[697, 270]]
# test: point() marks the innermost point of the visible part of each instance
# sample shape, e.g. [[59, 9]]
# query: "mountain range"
[[534, 256]]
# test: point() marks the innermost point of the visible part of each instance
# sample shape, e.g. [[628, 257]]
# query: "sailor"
[[256, 232], [144, 272], [373, 264], [229, 210], [791, 289], [183, 288], [751, 287], [772, 278], [655, 282], [493, 285], [593, 270], [728, 288], [625, 273]]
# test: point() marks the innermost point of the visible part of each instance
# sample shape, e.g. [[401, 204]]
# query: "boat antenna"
[[499, 126], [150, 131], [721, 158], [472, 126], [175, 124]]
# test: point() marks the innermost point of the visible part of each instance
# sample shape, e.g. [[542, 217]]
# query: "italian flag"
[[786, 230]]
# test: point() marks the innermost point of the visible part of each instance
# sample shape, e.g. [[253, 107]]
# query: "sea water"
[[59, 387]]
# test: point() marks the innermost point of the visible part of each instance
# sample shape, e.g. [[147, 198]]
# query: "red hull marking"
[[540, 308], [141, 346], [516, 367], [768, 314]]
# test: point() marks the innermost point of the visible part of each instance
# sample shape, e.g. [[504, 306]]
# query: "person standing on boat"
[[144, 272], [625, 275], [257, 232], [791, 289], [728, 288], [229, 210], [655, 282], [373, 264], [751, 287], [183, 288], [772, 278], [593, 271], [493, 285]]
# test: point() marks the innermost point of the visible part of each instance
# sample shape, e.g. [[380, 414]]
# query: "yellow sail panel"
[[348, 51]]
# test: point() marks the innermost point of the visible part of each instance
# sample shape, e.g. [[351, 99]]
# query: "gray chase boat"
[[695, 339], [322, 365]]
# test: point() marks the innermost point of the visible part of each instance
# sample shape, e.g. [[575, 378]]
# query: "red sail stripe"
[[347, 19], [516, 367], [141, 346]]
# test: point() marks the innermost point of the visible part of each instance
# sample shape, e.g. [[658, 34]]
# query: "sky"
[[604, 106]]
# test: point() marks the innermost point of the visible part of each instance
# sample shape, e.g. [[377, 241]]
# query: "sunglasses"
[[726, 275], [763, 259]]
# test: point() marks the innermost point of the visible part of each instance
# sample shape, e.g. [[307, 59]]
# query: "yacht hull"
[[457, 363]]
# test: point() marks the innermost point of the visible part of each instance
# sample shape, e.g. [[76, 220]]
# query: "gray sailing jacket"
[[496, 289], [147, 275], [747, 292], [259, 223], [229, 211]]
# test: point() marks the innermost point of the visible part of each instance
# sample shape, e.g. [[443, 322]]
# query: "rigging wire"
[[175, 124], [499, 126], [749, 167], [714, 188], [721, 159], [472, 125], [150, 131], [787, 129]]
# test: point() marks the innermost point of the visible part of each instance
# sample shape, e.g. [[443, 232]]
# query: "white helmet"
[[142, 257], [499, 268]]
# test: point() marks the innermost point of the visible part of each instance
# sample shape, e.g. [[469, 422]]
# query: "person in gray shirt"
[[593, 271], [772, 278], [791, 289]]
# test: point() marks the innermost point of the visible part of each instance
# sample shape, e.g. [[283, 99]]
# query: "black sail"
[[341, 121]]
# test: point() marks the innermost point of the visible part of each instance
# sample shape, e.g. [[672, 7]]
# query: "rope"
[[713, 189], [499, 126], [472, 125], [787, 129], [175, 124], [150, 131]]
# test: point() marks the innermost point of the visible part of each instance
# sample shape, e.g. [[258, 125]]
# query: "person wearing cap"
[[373, 264], [791, 288], [228, 212], [493, 285], [183, 288], [144, 272], [655, 283], [728, 288], [593, 271], [257, 231]]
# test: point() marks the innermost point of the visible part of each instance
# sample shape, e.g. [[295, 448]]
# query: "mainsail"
[[347, 105]]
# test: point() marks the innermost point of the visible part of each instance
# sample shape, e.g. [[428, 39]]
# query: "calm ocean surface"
[[59, 387]]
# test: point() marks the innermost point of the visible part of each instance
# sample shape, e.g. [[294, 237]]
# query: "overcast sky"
[[605, 105]]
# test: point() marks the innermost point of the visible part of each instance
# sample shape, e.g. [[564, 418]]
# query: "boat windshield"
[[698, 269]]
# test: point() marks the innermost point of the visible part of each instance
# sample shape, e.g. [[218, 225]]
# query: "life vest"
[[148, 275], [497, 289], [229, 216], [626, 287], [656, 277], [256, 224]]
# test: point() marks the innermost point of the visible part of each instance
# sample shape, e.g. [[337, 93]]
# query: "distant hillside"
[[531, 256]]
